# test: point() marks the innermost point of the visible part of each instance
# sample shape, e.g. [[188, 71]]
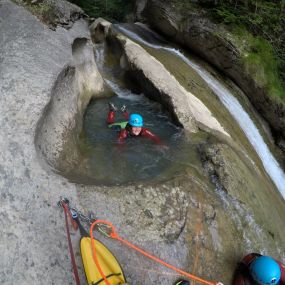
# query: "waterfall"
[[270, 164]]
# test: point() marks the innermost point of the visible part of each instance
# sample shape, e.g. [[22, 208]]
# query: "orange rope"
[[94, 251], [114, 235]]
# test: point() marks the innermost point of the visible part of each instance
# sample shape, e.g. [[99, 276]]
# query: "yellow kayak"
[[110, 266]]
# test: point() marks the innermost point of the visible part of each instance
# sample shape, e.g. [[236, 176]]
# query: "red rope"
[[114, 235], [67, 213]]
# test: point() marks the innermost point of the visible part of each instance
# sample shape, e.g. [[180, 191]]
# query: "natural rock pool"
[[138, 158]]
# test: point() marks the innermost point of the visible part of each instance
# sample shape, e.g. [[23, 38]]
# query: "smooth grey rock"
[[32, 227], [157, 83], [184, 221]]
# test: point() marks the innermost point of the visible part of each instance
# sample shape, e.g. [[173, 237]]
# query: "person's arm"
[[111, 117], [125, 115], [122, 136], [282, 268], [147, 133], [242, 275]]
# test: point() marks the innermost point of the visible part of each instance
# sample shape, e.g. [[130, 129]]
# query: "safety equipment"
[[108, 264], [265, 270], [136, 120]]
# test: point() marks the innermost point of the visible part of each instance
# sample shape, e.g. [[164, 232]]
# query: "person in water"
[[132, 127], [257, 269]]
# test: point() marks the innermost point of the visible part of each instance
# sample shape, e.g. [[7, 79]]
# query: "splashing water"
[[123, 92], [235, 108]]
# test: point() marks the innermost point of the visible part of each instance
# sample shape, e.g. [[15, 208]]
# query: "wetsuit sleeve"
[[242, 275], [122, 135], [282, 267], [126, 115], [147, 133], [249, 258], [111, 117]]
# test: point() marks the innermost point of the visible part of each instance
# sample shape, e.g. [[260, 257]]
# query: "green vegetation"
[[260, 62], [264, 20], [113, 10], [43, 10], [258, 25]]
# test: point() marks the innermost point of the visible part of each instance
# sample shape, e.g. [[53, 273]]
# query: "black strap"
[[110, 275]]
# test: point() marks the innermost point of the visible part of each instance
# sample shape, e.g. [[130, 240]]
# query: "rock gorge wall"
[[158, 84], [216, 45], [58, 130], [185, 220]]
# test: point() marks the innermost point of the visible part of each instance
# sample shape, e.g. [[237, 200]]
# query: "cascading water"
[[235, 108], [109, 162]]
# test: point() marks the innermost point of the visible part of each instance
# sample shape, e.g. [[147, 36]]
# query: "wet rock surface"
[[213, 43], [184, 221], [54, 13], [155, 81], [58, 129]]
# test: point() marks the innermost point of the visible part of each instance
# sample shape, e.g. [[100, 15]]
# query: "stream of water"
[[270, 164]]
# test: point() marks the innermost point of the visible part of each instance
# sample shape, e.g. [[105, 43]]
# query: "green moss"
[[43, 10], [257, 27], [260, 61]]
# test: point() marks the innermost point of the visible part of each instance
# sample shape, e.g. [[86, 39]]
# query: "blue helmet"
[[265, 270], [136, 120]]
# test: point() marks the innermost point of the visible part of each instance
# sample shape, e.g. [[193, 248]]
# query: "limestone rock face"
[[54, 13], [99, 29], [33, 59], [58, 129], [161, 86], [184, 220], [215, 45]]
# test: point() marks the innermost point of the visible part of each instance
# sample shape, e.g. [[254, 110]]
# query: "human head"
[[265, 271], [136, 120]]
